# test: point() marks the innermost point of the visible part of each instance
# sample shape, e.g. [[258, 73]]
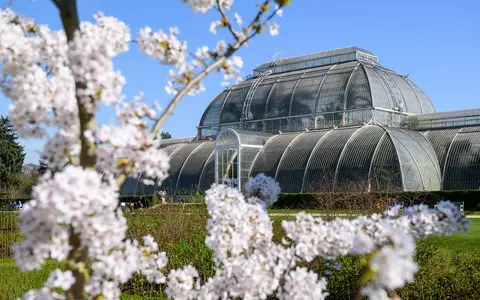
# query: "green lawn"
[[460, 242], [13, 283], [472, 212]]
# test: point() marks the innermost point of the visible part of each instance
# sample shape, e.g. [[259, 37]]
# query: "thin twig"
[[226, 21], [10, 2]]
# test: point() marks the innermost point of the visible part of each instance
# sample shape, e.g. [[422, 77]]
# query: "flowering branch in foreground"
[[60, 79]]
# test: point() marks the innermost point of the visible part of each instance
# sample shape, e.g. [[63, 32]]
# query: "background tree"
[[166, 135], [12, 154]]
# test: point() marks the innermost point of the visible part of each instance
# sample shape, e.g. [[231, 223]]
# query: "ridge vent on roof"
[[317, 59]]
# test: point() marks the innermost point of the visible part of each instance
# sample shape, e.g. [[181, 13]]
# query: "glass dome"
[[323, 90]]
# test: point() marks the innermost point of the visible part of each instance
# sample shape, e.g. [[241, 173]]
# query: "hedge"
[[470, 198]]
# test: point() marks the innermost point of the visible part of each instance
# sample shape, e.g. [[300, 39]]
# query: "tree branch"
[[231, 50], [225, 19], [78, 254], [9, 3]]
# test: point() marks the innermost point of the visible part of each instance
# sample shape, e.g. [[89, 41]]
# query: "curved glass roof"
[[372, 157], [458, 151], [335, 87]]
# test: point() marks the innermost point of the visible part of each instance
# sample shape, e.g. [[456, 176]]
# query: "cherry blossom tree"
[[59, 79]]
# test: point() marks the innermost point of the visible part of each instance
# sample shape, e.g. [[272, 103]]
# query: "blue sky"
[[436, 42]]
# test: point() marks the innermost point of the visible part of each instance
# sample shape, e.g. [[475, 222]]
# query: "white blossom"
[[182, 283], [213, 27], [273, 28], [375, 293], [201, 6], [279, 11], [264, 188], [238, 19], [60, 279], [303, 284], [163, 47]]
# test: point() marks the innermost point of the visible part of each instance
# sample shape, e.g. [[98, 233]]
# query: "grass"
[[180, 230], [14, 283], [462, 242]]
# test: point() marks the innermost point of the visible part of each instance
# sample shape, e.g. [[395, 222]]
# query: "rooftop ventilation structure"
[[318, 60]]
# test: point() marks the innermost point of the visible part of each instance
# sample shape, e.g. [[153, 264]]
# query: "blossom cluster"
[[88, 203], [203, 6], [130, 147]]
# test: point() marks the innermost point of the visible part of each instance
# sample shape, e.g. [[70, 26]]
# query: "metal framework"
[[349, 86], [323, 122], [247, 114]]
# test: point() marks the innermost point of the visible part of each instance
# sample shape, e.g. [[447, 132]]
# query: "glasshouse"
[[330, 121]]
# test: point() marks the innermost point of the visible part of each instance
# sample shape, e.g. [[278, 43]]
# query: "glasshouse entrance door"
[[227, 166]]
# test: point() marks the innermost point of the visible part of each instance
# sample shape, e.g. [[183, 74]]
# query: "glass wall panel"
[[252, 138], [177, 159], [320, 173], [129, 187], [354, 165], [332, 91], [279, 102], [207, 177], [257, 106], [358, 117], [441, 141], [214, 110], [144, 189], [306, 92], [429, 166], [379, 91], [410, 99], [420, 170], [227, 137], [463, 161], [232, 111], [425, 102], [192, 168], [329, 120], [385, 173], [269, 156], [292, 167], [358, 94], [247, 155]]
